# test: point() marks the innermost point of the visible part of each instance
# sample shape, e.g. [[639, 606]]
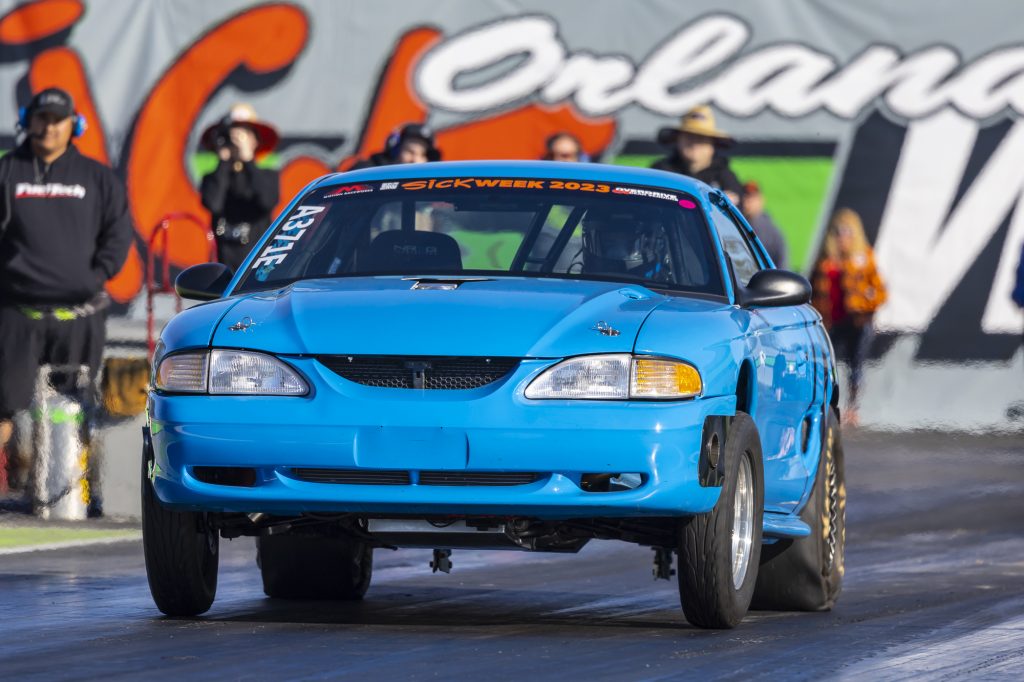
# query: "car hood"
[[508, 316]]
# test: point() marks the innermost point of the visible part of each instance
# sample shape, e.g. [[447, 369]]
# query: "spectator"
[[239, 195], [411, 143], [847, 292], [764, 227], [564, 146], [65, 230], [696, 145]]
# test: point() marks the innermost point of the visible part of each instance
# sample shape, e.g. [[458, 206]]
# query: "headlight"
[[238, 372], [618, 376], [228, 372], [595, 377]]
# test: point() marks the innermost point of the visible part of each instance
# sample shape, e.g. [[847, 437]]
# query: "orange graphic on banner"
[[296, 174], [395, 101], [262, 40], [37, 20], [517, 134]]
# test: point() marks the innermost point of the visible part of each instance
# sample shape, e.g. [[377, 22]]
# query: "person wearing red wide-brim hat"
[[239, 195], [242, 115]]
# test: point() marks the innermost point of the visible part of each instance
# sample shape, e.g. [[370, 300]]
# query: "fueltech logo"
[[27, 190]]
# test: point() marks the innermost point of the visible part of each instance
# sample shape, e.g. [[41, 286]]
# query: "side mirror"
[[203, 282], [774, 288]]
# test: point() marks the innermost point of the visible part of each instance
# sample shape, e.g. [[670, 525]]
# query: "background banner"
[[909, 113]]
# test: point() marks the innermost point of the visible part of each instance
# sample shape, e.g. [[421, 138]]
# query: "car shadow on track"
[[467, 608]]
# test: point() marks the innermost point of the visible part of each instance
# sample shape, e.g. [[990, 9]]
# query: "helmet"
[[629, 243]]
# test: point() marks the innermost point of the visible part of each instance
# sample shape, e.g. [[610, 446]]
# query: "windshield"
[[483, 226]]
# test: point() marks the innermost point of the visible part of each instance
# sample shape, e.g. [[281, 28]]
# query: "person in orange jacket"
[[847, 292]]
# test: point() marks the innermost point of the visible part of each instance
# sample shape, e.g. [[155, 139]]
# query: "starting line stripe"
[[71, 544]]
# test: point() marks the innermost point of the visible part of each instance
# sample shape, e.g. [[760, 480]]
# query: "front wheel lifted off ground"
[[806, 574], [181, 553], [719, 550]]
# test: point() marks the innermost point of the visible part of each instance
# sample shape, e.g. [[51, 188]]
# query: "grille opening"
[[420, 372], [485, 478], [353, 476], [241, 477], [438, 478]]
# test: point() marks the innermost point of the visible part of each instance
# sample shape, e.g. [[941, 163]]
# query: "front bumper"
[[345, 425]]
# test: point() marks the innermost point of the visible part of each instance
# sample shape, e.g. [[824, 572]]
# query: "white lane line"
[[70, 544]]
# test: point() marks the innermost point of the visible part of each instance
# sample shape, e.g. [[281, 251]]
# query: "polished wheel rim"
[[834, 510], [742, 522]]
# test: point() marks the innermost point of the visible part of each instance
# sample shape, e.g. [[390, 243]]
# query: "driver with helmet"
[[632, 244]]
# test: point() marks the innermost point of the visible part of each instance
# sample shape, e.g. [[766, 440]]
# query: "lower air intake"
[[353, 476], [382, 477], [481, 478]]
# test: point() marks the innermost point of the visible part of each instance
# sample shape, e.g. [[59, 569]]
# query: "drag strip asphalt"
[[934, 589]]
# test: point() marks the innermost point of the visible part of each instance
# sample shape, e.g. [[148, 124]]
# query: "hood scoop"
[[442, 283]]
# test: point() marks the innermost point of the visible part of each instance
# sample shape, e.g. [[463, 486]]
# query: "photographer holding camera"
[[239, 195]]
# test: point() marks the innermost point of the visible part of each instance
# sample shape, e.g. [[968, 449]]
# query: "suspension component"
[[663, 563], [442, 561]]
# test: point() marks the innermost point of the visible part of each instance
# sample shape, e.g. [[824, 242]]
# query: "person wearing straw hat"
[[239, 195], [695, 152]]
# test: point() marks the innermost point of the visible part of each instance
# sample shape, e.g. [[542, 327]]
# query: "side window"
[[744, 262]]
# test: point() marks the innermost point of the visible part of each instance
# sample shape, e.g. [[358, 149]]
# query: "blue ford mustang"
[[499, 355]]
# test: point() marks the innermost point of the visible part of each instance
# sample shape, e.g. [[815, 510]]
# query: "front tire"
[[181, 553], [719, 551], [806, 574], [314, 567]]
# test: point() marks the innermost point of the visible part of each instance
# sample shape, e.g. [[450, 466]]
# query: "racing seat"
[[403, 251]]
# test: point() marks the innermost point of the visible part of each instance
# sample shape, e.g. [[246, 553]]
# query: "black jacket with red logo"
[[66, 230]]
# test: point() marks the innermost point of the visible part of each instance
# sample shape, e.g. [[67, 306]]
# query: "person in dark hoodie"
[[696, 144], [411, 143], [65, 230]]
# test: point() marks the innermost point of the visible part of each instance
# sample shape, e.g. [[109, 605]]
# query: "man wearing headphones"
[[64, 231], [412, 143]]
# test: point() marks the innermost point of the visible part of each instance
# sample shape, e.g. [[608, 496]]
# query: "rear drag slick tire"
[[314, 567], [806, 574]]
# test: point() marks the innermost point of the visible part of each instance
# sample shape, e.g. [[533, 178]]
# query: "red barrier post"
[[162, 229]]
